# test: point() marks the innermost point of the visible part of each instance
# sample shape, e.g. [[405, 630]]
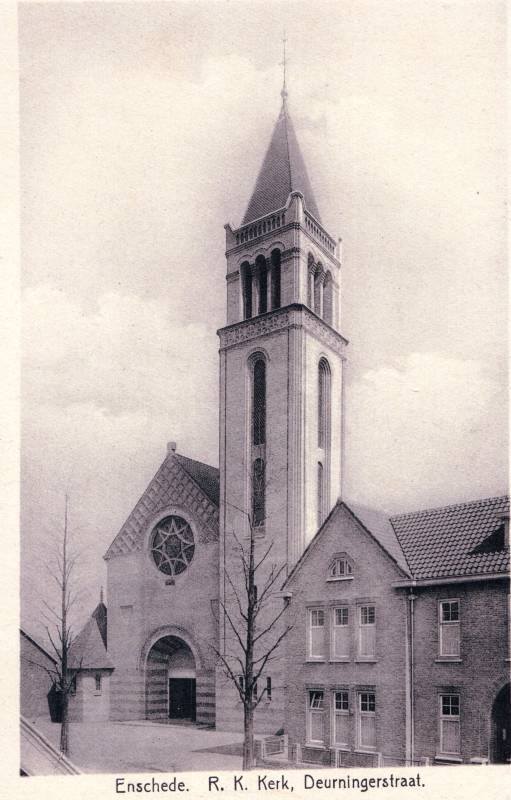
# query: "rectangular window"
[[97, 679], [450, 724], [316, 717], [367, 632], [449, 628], [316, 633], [241, 683], [366, 728], [340, 633], [268, 689], [341, 718]]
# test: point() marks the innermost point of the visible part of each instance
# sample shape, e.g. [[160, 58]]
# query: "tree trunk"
[[248, 737], [64, 727]]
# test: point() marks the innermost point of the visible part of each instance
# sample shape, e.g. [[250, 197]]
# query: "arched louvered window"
[[246, 289], [259, 403], [262, 282], [258, 492], [310, 282], [275, 279]]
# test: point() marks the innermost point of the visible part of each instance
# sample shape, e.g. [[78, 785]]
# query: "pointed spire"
[[283, 170]]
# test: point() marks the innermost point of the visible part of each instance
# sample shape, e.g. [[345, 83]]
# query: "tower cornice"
[[295, 315]]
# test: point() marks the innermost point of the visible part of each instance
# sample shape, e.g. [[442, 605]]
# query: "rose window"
[[172, 545]]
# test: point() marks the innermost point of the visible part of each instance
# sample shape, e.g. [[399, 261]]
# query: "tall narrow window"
[[318, 290], [449, 634], [259, 403], [316, 646], [246, 288], [258, 492], [262, 275], [366, 720], [341, 718], [340, 634], [323, 403], [321, 494], [275, 279], [450, 724], [310, 282], [316, 717], [367, 632]]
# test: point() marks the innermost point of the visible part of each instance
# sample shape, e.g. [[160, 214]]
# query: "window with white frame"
[[450, 724], [340, 634], [316, 717], [449, 628], [366, 720], [340, 569], [316, 633], [367, 632], [341, 718]]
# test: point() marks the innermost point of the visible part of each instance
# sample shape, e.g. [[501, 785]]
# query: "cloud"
[[420, 433]]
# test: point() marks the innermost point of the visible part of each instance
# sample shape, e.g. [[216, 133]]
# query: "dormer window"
[[340, 569]]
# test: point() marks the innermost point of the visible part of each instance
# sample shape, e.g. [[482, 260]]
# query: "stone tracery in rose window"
[[172, 545]]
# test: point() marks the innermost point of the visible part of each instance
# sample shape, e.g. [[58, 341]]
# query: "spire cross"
[[283, 64]]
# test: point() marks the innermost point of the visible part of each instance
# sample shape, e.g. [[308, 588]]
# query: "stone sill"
[[336, 580], [448, 660], [366, 661]]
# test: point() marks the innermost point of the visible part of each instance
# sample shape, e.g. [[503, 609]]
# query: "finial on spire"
[[283, 64]]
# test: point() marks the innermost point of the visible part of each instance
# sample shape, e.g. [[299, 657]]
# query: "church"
[[371, 601]]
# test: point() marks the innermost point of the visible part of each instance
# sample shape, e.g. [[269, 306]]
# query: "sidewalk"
[[142, 746]]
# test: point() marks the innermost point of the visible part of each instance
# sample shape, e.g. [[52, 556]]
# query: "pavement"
[[142, 746]]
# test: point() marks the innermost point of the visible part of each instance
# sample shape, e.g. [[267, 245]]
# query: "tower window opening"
[[310, 281], [262, 274], [318, 290], [246, 288], [258, 492], [321, 494], [328, 299], [275, 279], [259, 403], [323, 403]]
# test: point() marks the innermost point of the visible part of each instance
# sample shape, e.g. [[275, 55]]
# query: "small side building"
[[37, 667], [88, 660]]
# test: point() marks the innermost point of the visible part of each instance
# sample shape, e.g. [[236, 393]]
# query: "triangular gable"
[[379, 534], [173, 484]]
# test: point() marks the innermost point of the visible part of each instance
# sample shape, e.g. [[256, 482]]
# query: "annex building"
[[399, 649]]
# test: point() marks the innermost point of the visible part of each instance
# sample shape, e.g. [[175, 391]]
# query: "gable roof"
[[38, 646], [454, 540], [283, 171], [88, 650], [208, 478], [179, 481]]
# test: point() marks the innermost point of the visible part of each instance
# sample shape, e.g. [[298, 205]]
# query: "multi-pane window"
[[449, 628], [450, 724], [341, 717], [316, 633], [367, 631], [258, 492], [366, 723], [316, 717], [340, 633], [340, 568]]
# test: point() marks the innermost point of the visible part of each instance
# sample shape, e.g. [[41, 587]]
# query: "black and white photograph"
[[264, 504]]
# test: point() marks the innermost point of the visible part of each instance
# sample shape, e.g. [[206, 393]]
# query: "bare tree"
[[254, 625], [58, 627]]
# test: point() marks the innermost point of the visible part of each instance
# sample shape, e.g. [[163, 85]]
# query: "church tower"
[[281, 359]]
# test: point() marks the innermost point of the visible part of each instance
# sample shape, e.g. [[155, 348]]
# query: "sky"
[[142, 128]]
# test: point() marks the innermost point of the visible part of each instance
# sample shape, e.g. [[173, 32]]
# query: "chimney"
[[504, 518], [171, 447]]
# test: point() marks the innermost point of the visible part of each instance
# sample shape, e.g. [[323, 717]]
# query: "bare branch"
[[231, 623], [238, 601], [270, 626]]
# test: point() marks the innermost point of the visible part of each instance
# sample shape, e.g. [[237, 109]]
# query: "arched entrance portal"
[[501, 727], [170, 680]]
